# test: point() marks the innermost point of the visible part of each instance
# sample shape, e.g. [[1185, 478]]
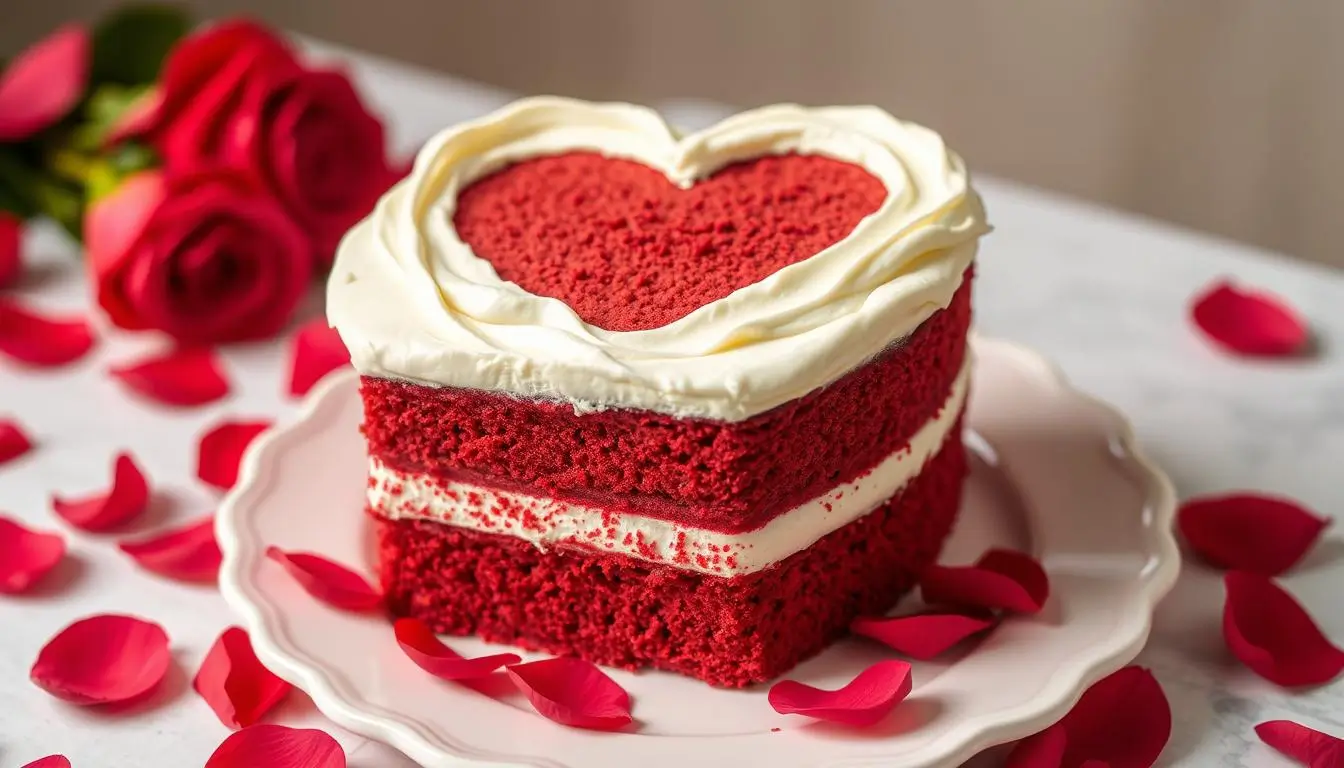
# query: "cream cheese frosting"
[[412, 301], [548, 522]]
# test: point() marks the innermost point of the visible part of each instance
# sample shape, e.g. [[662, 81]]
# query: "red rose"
[[235, 95], [204, 258]]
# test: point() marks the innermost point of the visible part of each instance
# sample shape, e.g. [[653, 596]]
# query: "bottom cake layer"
[[623, 612]]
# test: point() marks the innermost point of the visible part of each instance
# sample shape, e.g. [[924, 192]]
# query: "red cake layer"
[[628, 250], [726, 476], [624, 612]]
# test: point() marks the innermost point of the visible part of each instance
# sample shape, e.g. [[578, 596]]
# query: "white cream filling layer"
[[412, 300], [549, 523]]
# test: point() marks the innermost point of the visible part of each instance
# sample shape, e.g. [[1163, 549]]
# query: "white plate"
[[1054, 472]]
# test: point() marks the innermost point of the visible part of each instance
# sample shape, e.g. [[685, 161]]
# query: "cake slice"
[[684, 402]]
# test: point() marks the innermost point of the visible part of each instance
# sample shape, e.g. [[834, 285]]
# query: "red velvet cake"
[[684, 402]]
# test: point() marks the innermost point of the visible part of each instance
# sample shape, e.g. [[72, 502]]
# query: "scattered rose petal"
[[186, 376], [1249, 323], [1274, 636], [421, 646], [34, 339], [276, 746], [14, 441], [221, 451], [1001, 579], [921, 636], [235, 684], [26, 556], [189, 553], [1305, 745], [42, 84], [1249, 532], [129, 497], [1122, 721], [573, 692], [50, 761], [315, 351], [863, 701], [332, 583], [11, 240], [103, 659]]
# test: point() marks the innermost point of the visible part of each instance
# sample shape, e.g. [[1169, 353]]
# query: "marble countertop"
[[1101, 293]]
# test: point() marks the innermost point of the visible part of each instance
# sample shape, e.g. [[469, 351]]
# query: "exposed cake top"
[[413, 300]]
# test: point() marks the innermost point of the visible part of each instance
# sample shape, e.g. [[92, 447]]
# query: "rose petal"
[[1274, 636], [573, 692], [1250, 532], [14, 441], [186, 376], [276, 746], [1123, 721], [26, 556], [921, 636], [34, 339], [1001, 579], [103, 659], [330, 582], [189, 553], [1249, 322], [865, 700], [1305, 745], [44, 82], [316, 351], [138, 118], [235, 684], [423, 647], [11, 237], [128, 497], [50, 761], [221, 451]]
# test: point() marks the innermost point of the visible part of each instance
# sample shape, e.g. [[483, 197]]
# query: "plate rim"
[[1061, 690]]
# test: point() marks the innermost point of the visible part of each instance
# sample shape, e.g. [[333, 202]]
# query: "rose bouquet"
[[209, 173]]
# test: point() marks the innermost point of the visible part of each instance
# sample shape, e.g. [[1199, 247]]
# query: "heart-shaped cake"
[[690, 402]]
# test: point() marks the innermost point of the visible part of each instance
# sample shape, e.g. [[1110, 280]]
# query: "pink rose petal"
[[50, 761], [421, 646], [921, 636], [42, 84], [276, 746], [128, 497], [37, 340], [315, 351], [11, 256], [1249, 323], [1275, 637], [1001, 579], [221, 451], [103, 659], [330, 582], [14, 442], [137, 119], [573, 692], [184, 376], [1307, 746], [1123, 721], [26, 556], [235, 684], [865, 700], [1250, 532], [189, 553]]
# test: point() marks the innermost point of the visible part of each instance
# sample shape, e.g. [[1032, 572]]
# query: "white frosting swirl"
[[412, 301]]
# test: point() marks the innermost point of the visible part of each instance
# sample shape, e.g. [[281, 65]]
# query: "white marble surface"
[[1101, 293]]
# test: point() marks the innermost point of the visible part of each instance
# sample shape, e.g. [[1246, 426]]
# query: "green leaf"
[[18, 182], [63, 203], [105, 106], [129, 46]]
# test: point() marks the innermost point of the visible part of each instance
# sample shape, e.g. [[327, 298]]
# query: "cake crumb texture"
[[629, 613], [628, 250]]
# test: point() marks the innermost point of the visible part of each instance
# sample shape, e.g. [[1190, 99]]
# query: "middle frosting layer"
[[413, 302]]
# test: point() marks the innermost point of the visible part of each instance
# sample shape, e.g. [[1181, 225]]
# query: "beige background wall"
[[1224, 115]]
